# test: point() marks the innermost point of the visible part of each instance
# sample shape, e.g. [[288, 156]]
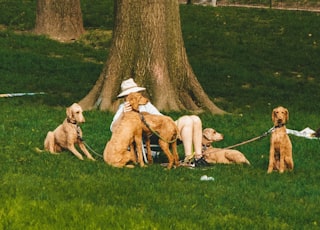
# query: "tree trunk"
[[59, 19], [148, 46]]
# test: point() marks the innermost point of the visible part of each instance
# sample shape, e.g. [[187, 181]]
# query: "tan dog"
[[218, 155], [164, 127], [69, 133], [280, 157], [126, 132], [167, 131], [209, 136]]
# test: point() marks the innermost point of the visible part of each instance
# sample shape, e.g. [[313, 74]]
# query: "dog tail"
[[37, 150], [178, 133]]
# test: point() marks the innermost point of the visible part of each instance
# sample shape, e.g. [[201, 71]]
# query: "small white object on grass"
[[206, 178]]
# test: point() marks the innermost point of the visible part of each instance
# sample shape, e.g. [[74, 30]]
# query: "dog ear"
[[69, 113], [143, 100], [132, 99], [207, 134], [287, 114], [273, 115]]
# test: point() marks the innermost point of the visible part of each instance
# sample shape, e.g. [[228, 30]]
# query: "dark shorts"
[[154, 140]]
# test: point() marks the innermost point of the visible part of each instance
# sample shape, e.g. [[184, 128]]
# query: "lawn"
[[247, 60]]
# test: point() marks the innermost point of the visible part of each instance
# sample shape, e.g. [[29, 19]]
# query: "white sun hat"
[[129, 86]]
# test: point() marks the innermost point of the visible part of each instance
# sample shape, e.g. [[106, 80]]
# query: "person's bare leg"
[[185, 126], [197, 136]]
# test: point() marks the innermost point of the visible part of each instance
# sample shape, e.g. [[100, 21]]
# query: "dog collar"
[[207, 138], [77, 128], [279, 126], [205, 147], [72, 122]]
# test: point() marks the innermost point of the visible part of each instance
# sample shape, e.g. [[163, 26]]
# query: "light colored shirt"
[[150, 108]]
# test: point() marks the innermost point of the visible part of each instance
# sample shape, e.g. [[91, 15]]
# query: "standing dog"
[[69, 133], [280, 157], [162, 125], [126, 132], [167, 131], [219, 155]]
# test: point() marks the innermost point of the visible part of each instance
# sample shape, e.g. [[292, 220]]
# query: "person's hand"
[[127, 107]]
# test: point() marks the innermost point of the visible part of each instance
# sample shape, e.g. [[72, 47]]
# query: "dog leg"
[[114, 157], [49, 142], [75, 151], [289, 162], [132, 154], [282, 166], [84, 149], [149, 156], [288, 157], [122, 163], [126, 157], [271, 160], [165, 147], [138, 142], [175, 153]]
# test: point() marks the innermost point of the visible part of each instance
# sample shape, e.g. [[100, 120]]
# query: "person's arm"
[[150, 108]]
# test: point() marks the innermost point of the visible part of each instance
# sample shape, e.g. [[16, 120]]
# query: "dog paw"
[[130, 166]]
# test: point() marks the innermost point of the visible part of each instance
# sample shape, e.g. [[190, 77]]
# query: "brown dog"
[[218, 155], [280, 157], [162, 125], [69, 133], [126, 132], [167, 131]]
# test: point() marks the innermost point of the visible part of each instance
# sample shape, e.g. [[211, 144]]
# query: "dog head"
[[136, 99], [74, 114], [280, 116], [210, 135], [317, 133]]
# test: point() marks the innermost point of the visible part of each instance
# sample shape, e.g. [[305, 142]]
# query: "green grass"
[[247, 60]]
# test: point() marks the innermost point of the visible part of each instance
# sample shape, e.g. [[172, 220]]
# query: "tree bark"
[[59, 19], [148, 46]]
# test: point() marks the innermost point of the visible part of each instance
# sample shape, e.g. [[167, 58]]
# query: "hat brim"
[[131, 90]]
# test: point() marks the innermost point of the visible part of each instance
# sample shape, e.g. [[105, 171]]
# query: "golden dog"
[[219, 155], [69, 133], [167, 131], [126, 132], [280, 157], [164, 127]]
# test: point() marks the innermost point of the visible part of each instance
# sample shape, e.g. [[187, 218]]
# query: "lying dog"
[[280, 157], [126, 132], [69, 133], [219, 155]]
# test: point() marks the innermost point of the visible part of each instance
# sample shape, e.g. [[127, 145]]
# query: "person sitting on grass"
[[190, 126]]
